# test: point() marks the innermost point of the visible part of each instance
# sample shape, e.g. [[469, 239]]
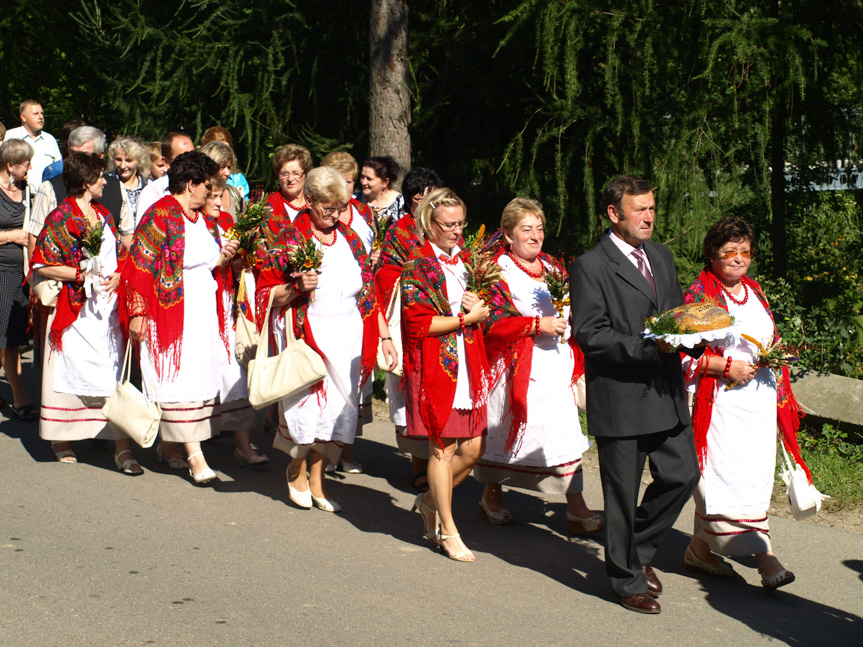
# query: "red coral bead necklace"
[[731, 296], [533, 275]]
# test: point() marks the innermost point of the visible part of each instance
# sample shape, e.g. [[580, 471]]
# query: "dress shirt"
[[45, 152], [627, 250]]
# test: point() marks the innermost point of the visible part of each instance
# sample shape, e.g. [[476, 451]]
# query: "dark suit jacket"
[[632, 388], [111, 199]]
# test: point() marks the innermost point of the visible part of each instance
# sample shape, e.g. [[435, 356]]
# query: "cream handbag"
[[247, 331], [803, 497], [274, 378], [394, 319], [130, 410], [47, 290]]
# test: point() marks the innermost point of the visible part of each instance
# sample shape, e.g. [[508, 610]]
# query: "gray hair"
[[84, 134], [326, 184], [133, 148]]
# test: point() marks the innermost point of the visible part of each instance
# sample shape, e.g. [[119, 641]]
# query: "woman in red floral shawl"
[[738, 406], [81, 365], [445, 367], [173, 284], [399, 242], [534, 439], [335, 311], [291, 163]]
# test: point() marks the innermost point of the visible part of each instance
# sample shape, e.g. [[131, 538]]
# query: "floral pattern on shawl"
[[59, 244], [399, 241]]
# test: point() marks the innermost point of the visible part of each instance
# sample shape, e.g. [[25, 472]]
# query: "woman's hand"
[[110, 285], [554, 326], [307, 281], [230, 249], [136, 328], [741, 372], [15, 236], [476, 309], [374, 257], [390, 353]]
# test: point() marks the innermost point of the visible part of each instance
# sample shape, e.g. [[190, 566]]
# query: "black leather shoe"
[[654, 586], [640, 603]]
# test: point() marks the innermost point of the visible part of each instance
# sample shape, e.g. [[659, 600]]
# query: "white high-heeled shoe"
[[205, 476], [327, 505], [174, 462], [301, 499]]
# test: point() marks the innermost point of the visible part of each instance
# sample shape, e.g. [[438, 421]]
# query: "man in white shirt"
[[85, 139], [172, 145], [45, 149]]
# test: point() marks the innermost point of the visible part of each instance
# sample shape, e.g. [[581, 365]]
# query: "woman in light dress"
[[171, 297], [738, 406], [84, 347], [335, 312], [129, 162], [534, 438]]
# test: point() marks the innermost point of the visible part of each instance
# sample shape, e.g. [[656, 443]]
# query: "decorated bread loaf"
[[698, 317]]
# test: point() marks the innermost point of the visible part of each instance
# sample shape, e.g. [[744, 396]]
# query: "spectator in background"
[[172, 145], [223, 155], [85, 139], [236, 179], [45, 149], [157, 162], [2, 132], [128, 161], [55, 168]]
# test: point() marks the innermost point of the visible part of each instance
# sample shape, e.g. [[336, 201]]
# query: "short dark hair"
[[190, 166], [65, 131], [384, 167], [81, 169], [624, 185], [727, 229], [168, 143], [418, 180]]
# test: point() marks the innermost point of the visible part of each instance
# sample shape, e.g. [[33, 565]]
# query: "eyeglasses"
[[451, 226], [727, 256], [329, 211], [286, 175]]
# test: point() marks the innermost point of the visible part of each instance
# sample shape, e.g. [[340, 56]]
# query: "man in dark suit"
[[636, 404]]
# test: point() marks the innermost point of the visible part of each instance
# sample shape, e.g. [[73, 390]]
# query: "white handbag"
[[394, 318], [247, 331], [803, 497], [130, 410], [47, 290], [274, 378]]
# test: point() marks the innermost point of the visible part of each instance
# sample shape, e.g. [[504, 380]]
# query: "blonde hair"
[[155, 150], [442, 197], [290, 152], [326, 184], [217, 184], [517, 210], [343, 162], [17, 151], [220, 153], [134, 149]]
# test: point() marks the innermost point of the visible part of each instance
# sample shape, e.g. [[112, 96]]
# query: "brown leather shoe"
[[654, 586], [640, 603]]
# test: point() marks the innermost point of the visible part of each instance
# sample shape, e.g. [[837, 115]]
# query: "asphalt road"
[[91, 557]]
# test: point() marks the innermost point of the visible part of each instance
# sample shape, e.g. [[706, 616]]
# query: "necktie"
[[642, 267]]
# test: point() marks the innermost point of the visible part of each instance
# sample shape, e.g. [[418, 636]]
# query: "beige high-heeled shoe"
[[205, 476]]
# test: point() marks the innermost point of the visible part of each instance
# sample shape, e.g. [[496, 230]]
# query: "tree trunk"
[[777, 168], [389, 100]]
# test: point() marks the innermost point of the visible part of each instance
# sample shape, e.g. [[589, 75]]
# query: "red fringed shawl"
[[787, 408], [433, 360], [155, 272], [398, 244], [59, 244], [280, 218], [276, 271], [509, 338], [364, 210]]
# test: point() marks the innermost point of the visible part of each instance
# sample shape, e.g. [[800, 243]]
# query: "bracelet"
[[536, 325], [78, 275], [461, 320], [137, 313], [727, 369], [386, 338]]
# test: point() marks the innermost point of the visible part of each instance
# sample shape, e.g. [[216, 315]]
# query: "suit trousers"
[[633, 532]]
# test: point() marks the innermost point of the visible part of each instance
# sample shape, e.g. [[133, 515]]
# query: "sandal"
[[27, 413], [693, 562], [63, 455], [773, 582], [128, 466], [502, 517], [584, 525], [422, 508], [464, 555]]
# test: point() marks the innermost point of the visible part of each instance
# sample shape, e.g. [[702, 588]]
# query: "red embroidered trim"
[[534, 275], [71, 421], [737, 532], [726, 519]]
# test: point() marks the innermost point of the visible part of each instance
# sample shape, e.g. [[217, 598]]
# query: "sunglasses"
[[727, 256]]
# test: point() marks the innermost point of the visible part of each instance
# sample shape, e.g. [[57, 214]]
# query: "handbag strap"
[[126, 375], [263, 348]]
